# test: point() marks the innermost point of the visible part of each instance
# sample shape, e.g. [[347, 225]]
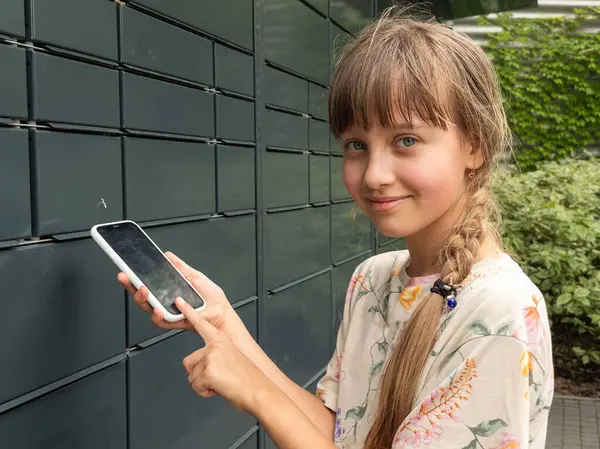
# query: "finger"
[[193, 361], [141, 299], [200, 383], [201, 282], [206, 330], [159, 321], [183, 267], [127, 285]]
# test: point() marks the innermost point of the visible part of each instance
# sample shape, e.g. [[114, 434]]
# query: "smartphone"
[[136, 255]]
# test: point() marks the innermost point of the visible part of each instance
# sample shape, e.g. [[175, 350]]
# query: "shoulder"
[[374, 274], [500, 284], [501, 300], [382, 266]]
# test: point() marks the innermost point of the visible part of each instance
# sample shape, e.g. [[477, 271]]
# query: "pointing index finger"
[[206, 330]]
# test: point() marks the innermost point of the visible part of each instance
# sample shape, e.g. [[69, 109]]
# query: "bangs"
[[388, 80]]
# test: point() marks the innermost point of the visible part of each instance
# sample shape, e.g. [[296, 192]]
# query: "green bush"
[[550, 72], [551, 224]]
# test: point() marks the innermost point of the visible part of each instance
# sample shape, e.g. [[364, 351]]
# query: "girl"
[[446, 345]]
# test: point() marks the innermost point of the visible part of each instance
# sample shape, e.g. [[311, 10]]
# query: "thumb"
[[206, 330]]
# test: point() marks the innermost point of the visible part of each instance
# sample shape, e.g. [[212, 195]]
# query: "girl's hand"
[[220, 368], [218, 309]]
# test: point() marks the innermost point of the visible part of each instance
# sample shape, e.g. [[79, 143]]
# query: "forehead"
[[398, 124]]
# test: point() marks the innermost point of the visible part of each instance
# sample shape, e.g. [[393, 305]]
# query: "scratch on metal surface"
[[101, 202]]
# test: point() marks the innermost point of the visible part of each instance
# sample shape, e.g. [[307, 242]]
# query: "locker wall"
[[205, 122]]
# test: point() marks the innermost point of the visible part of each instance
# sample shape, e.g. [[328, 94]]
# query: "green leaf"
[[563, 299], [383, 347], [488, 428], [373, 309], [356, 413], [479, 328], [376, 368], [471, 445], [504, 329]]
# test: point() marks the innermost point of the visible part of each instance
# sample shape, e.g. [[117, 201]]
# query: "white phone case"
[[120, 263]]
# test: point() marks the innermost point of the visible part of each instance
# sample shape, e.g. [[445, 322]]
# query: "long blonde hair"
[[415, 67]]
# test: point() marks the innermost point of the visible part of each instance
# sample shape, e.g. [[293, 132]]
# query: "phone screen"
[[150, 265]]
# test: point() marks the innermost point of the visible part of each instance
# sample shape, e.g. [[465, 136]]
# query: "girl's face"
[[406, 178]]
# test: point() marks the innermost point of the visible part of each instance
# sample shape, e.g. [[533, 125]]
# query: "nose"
[[379, 172]]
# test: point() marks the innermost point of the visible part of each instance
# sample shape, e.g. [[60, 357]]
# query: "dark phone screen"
[[150, 265]]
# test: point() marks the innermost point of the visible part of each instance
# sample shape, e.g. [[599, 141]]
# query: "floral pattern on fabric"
[[488, 381]]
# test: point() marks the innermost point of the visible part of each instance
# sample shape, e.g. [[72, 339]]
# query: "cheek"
[[436, 183]]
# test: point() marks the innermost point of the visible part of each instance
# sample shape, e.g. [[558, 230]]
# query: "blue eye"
[[406, 141], [355, 145]]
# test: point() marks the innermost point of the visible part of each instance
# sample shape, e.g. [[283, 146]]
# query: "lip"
[[385, 204]]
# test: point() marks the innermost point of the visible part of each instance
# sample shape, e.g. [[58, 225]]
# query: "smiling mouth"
[[386, 204]]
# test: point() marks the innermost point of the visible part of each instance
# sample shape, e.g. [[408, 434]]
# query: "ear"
[[474, 156]]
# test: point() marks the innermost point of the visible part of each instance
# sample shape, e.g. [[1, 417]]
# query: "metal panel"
[[166, 179], [14, 184], [234, 71], [73, 307], [145, 100], [350, 231], [159, 393], [235, 119], [339, 38], [13, 82], [296, 37], [250, 443], [285, 179], [296, 244], [351, 14], [282, 89], [338, 189], [317, 100], [319, 178], [285, 130], [79, 181], [319, 135], [236, 168], [231, 20], [90, 414], [148, 43], [88, 26], [321, 5], [12, 19], [335, 145], [392, 245], [298, 328], [75, 92], [223, 249]]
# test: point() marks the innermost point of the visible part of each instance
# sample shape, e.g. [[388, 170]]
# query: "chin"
[[393, 227]]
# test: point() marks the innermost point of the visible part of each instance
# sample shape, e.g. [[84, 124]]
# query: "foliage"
[[550, 72], [551, 222]]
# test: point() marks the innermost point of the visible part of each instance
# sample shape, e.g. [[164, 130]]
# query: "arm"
[[321, 415], [314, 409], [286, 424]]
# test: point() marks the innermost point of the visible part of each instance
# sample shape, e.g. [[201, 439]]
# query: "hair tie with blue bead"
[[448, 292]]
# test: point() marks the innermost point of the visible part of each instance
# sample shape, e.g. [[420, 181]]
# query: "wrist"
[[264, 398]]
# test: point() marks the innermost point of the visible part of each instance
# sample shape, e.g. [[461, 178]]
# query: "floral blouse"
[[488, 382]]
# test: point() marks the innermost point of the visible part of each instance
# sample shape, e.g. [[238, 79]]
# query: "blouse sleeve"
[[327, 388], [492, 383]]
